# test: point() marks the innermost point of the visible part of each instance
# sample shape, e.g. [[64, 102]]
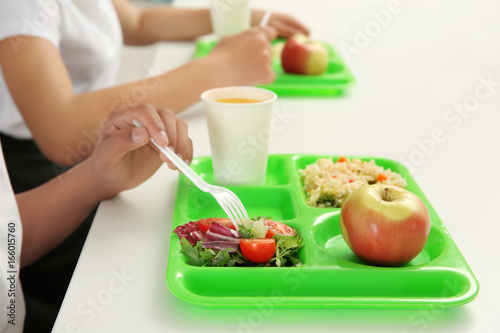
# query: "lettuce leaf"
[[221, 259], [199, 256], [193, 253], [287, 248], [253, 228]]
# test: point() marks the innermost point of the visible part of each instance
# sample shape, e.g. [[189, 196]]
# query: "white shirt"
[[12, 310], [87, 34]]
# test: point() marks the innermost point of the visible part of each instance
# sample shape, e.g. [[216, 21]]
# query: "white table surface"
[[431, 56]]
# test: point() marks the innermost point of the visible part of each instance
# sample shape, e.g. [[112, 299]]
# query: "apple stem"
[[386, 194]]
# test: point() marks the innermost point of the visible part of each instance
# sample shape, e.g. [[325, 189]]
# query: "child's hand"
[[245, 58], [124, 159], [284, 24]]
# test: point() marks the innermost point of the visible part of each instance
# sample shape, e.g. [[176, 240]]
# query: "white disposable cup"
[[230, 17], [239, 134]]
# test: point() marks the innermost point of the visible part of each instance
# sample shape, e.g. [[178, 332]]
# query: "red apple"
[[385, 225], [302, 55]]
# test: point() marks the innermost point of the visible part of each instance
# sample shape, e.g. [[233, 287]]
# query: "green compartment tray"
[[332, 83], [331, 276]]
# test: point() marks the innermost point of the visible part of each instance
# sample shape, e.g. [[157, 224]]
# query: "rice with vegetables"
[[328, 184]]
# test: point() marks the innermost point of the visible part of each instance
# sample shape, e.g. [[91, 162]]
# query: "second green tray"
[[334, 82]]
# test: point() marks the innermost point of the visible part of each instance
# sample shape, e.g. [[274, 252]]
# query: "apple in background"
[[302, 55], [385, 225]]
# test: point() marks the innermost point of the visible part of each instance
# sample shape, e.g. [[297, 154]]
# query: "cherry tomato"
[[278, 228], [205, 224], [258, 250]]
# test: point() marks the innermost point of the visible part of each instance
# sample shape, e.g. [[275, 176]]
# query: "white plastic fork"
[[265, 18], [229, 202]]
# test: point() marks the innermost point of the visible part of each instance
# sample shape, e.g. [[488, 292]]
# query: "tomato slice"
[[258, 250], [205, 224], [279, 228]]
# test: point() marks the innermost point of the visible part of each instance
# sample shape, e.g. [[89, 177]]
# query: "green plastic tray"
[[331, 276], [332, 83]]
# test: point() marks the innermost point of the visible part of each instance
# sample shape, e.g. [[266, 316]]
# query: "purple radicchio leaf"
[[222, 245], [191, 231], [220, 237]]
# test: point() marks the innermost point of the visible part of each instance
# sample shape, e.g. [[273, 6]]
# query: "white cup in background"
[[239, 134], [230, 17]]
